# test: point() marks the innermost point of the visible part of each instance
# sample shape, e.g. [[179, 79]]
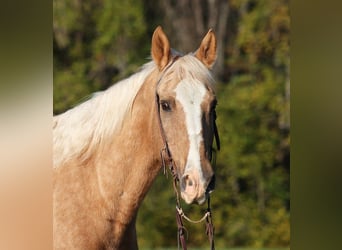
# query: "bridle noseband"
[[167, 160]]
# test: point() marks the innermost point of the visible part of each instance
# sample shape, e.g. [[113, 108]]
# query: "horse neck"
[[127, 168]]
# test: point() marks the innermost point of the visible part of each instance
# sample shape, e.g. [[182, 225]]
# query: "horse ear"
[[206, 53], [160, 48]]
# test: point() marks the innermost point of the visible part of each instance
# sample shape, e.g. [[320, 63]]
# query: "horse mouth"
[[194, 199], [201, 200]]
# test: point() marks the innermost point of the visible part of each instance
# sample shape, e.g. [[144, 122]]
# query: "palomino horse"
[[107, 150]]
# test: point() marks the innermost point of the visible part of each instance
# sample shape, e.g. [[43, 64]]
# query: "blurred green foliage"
[[95, 44], [100, 41]]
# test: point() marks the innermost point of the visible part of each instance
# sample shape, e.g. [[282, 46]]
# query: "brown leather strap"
[[217, 137], [210, 226], [180, 232], [165, 149], [210, 232]]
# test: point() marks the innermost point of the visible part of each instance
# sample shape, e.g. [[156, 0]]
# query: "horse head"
[[186, 102]]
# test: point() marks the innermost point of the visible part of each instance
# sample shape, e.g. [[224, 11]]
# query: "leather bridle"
[[167, 160]]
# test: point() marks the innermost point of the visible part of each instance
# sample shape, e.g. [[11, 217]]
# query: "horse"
[[108, 150]]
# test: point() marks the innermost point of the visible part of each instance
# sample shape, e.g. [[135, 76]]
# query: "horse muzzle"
[[193, 189]]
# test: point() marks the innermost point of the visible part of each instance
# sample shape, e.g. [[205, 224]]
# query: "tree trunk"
[[189, 20]]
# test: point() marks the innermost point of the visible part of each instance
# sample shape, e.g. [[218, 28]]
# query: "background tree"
[[188, 20], [98, 42]]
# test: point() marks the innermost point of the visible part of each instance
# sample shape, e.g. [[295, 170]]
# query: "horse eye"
[[165, 106]]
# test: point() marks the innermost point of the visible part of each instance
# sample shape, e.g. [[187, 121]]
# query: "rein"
[[167, 160]]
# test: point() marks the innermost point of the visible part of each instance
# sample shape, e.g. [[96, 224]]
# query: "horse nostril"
[[211, 185], [187, 181]]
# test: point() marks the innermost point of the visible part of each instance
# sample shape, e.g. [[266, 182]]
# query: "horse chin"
[[187, 199], [201, 200], [193, 200]]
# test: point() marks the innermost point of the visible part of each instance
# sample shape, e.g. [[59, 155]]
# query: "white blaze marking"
[[190, 95]]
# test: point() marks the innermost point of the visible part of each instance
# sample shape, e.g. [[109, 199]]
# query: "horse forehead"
[[191, 93], [191, 96]]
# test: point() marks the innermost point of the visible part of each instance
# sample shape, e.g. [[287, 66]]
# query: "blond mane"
[[80, 130]]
